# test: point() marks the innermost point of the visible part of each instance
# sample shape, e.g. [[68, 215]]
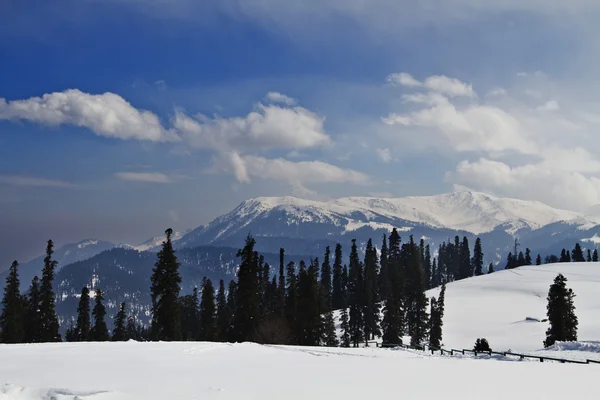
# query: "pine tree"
[[337, 292], [48, 319], [247, 313], [569, 258], [345, 327], [428, 267], [356, 296], [325, 284], [84, 324], [434, 274], [99, 332], [393, 311], [224, 314], [189, 315], [384, 278], [281, 285], [589, 255], [329, 336], [231, 306], [477, 261], [520, 260], [561, 313], [372, 309], [595, 256], [309, 318], [291, 296], [33, 322], [416, 300], [528, 260], [538, 260], [577, 254], [119, 331], [563, 256], [208, 313], [435, 329], [510, 262], [132, 331], [464, 268], [166, 322], [12, 319]]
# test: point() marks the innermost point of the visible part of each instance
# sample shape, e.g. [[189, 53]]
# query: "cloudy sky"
[[120, 118]]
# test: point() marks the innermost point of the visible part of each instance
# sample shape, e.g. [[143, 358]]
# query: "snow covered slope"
[[207, 371], [502, 307]]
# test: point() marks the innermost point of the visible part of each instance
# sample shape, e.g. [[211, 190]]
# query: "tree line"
[[380, 295]]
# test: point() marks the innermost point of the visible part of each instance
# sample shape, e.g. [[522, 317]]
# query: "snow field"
[[189, 370]]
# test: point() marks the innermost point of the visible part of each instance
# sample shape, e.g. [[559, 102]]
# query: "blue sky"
[[120, 118]]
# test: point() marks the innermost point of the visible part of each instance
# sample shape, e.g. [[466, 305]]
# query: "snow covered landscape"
[[504, 307]]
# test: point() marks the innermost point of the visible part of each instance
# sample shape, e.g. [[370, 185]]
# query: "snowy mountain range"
[[304, 228]]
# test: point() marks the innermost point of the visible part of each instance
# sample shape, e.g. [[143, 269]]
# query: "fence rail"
[[452, 352]]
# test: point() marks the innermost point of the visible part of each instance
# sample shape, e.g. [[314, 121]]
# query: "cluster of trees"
[[295, 304], [30, 318], [575, 255], [454, 262]]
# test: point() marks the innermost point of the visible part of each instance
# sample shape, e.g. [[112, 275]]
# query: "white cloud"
[[245, 167], [470, 128], [276, 97], [449, 86], [105, 114], [437, 83], [22, 180], [404, 79], [385, 155], [556, 187], [268, 127], [149, 177]]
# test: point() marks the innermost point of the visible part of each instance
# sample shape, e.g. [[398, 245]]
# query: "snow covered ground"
[[496, 307], [115, 371], [503, 307]]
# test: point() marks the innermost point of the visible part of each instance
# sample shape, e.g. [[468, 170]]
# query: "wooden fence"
[[488, 353]]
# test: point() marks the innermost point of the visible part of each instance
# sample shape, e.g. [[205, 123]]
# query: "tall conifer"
[[84, 324], [120, 330], [166, 322], [12, 319], [99, 332], [48, 319]]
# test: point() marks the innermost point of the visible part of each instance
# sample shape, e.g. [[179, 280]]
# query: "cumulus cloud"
[[22, 180], [268, 127], [451, 87], [469, 128], [555, 186], [246, 167], [105, 114], [276, 97], [149, 177]]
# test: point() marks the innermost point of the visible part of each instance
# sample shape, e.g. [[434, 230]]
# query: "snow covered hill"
[[505, 307], [207, 371]]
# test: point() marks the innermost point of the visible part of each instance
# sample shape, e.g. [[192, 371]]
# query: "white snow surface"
[[470, 211], [503, 306], [200, 370]]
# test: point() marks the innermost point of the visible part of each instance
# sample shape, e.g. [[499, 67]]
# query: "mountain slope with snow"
[[505, 307]]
